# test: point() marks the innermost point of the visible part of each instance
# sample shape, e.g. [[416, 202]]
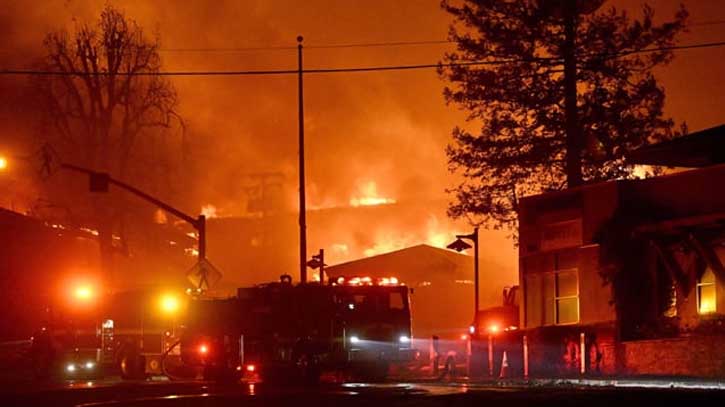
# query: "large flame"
[[367, 195], [436, 233], [209, 211]]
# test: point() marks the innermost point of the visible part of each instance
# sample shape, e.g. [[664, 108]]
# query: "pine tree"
[[531, 138]]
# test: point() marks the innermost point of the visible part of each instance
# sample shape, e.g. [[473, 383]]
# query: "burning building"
[[442, 283], [33, 259], [252, 249]]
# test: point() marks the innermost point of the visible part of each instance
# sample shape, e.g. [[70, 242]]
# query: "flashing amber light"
[[3, 163], [251, 368], [169, 304], [493, 328], [203, 349], [464, 337], [388, 281], [83, 293]]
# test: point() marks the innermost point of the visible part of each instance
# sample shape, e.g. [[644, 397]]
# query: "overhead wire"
[[347, 69]]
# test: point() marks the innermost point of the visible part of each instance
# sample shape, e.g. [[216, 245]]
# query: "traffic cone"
[[504, 366]]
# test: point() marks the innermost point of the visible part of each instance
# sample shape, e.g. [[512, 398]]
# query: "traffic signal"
[[314, 263], [317, 261]]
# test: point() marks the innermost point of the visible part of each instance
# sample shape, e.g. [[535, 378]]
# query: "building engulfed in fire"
[[627, 277], [442, 297]]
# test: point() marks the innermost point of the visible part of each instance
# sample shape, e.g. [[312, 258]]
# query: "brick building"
[[627, 277]]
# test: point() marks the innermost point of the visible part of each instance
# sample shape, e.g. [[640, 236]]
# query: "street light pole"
[[301, 125], [459, 245], [475, 271]]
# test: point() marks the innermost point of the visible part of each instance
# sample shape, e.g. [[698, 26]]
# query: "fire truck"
[[130, 333], [495, 338], [286, 331]]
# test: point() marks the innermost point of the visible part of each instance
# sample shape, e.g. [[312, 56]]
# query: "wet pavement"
[[114, 392]]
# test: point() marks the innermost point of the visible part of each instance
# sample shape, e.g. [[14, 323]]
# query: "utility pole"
[[303, 209], [322, 266], [475, 273], [573, 131]]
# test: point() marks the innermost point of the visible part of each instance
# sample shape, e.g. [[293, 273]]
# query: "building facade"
[[626, 277]]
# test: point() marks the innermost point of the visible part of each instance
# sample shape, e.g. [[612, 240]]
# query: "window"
[[706, 299], [396, 301], [552, 296], [534, 305], [567, 297]]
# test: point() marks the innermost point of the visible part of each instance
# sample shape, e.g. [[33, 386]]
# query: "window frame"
[[558, 298], [698, 288]]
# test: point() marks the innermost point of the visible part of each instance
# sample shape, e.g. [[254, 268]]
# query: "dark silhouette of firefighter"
[[436, 355]]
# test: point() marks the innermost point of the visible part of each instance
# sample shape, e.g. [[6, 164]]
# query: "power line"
[[342, 70], [383, 44], [341, 45], [230, 49], [672, 48], [269, 72], [358, 45], [322, 46]]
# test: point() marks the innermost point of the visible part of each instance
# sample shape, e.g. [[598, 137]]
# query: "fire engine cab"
[[281, 330]]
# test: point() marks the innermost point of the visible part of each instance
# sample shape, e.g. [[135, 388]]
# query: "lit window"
[[567, 297], [534, 300], [551, 289], [706, 300]]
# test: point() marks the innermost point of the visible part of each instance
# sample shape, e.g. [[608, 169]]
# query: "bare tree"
[[106, 109]]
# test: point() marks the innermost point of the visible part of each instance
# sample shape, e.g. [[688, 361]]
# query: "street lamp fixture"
[[460, 245]]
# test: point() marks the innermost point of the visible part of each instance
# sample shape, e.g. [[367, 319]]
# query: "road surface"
[[171, 394]]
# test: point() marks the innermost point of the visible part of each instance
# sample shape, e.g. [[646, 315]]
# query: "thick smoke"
[[389, 128]]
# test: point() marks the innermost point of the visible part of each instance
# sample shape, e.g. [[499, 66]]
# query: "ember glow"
[[160, 217], [94, 232]]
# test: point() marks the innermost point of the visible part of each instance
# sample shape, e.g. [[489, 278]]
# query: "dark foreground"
[[173, 394]]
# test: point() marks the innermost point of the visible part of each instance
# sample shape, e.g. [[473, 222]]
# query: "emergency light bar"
[[360, 281]]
